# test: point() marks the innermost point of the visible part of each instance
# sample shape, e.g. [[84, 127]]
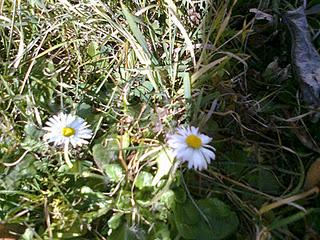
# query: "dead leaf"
[[10, 231], [261, 15], [305, 57], [313, 175]]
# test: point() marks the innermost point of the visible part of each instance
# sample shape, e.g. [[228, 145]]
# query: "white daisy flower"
[[67, 128], [189, 145]]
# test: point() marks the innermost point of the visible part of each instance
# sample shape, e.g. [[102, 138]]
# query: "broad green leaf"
[[144, 91], [186, 231], [32, 138], [105, 154], [100, 155], [187, 213], [28, 234], [97, 203], [84, 111], [168, 198], [313, 221], [32, 131], [37, 3], [264, 180], [180, 195], [91, 216], [115, 221], [77, 229], [114, 172], [23, 170], [92, 49], [222, 219], [127, 233], [123, 201], [144, 179], [235, 162], [209, 219], [163, 232]]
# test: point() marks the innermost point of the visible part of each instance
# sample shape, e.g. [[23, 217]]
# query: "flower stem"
[[66, 155]]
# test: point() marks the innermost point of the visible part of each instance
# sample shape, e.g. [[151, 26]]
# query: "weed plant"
[[136, 70]]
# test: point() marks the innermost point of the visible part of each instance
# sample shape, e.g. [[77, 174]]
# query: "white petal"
[[185, 155], [205, 139], [85, 132], [73, 142], [198, 159], [208, 154], [182, 132], [69, 119], [191, 162], [194, 130]]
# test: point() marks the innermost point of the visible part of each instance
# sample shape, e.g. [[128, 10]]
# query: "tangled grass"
[[136, 70]]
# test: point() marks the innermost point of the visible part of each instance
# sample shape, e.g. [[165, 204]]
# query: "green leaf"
[[114, 172], [37, 3], [97, 203], [123, 201], [265, 181], [28, 234], [32, 131], [23, 170], [100, 155], [144, 91], [187, 213], [162, 232], [168, 198], [115, 220], [210, 219], [84, 111], [313, 220], [77, 229], [132, 21], [222, 219], [93, 215], [144, 179], [32, 140], [127, 233], [105, 154], [92, 49], [235, 162], [186, 231], [180, 195]]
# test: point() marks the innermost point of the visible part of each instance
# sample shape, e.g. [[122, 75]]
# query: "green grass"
[[135, 71]]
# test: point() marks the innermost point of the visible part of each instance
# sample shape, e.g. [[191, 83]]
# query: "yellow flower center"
[[68, 132], [193, 141]]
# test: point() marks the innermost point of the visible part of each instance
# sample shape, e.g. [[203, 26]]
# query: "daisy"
[[189, 145], [63, 129]]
